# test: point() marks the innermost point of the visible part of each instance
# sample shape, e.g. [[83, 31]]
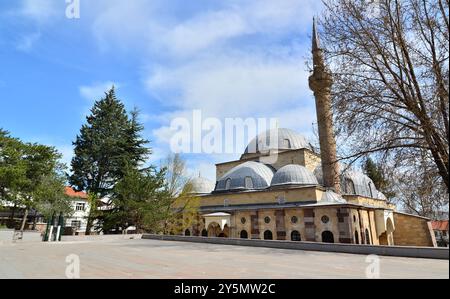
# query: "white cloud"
[[96, 91], [41, 10], [230, 59], [26, 42], [125, 24], [204, 31], [240, 85], [155, 25]]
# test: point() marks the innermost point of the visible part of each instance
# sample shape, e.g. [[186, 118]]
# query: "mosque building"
[[281, 189]]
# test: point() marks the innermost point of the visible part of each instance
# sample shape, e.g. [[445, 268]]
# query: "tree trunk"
[[88, 225], [13, 213], [34, 220], [24, 220]]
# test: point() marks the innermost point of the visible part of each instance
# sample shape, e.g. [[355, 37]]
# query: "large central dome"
[[277, 139]]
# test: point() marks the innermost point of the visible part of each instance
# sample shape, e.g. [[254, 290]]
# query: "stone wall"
[[263, 197], [360, 200], [302, 157], [413, 231]]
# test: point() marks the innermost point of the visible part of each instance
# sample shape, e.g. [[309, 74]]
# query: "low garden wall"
[[400, 251], [100, 237]]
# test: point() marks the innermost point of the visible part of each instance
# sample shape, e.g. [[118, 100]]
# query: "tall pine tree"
[[108, 144]]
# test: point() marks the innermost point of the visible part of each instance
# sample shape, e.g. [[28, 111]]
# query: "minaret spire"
[[321, 82], [315, 37]]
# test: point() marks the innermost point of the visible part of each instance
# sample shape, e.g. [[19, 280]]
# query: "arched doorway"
[[327, 237], [204, 233], [187, 232], [244, 234], [390, 232], [356, 237], [268, 235], [368, 241], [387, 238], [295, 236], [214, 230], [225, 232]]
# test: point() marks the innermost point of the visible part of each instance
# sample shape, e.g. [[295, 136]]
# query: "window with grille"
[[80, 206]]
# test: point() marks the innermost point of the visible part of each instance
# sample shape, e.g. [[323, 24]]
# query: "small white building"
[[81, 208]]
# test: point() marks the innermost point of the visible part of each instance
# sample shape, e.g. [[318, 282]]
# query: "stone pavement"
[[165, 259]]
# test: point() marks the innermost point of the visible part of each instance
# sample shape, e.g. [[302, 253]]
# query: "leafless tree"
[[181, 206], [176, 178], [418, 190], [390, 61]]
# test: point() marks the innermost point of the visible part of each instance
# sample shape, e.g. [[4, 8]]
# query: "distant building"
[[81, 208], [440, 229]]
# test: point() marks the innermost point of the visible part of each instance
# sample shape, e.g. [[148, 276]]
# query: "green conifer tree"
[[107, 145]]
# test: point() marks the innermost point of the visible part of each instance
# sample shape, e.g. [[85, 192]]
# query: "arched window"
[[327, 237], [368, 241], [349, 186], [248, 182], [204, 233], [244, 234], [228, 184], [187, 232], [286, 143], [268, 235], [356, 237], [295, 236]]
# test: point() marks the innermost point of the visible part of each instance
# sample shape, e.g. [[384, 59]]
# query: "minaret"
[[320, 82]]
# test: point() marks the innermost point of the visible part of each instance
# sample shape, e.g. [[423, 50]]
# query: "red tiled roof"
[[441, 225], [72, 193]]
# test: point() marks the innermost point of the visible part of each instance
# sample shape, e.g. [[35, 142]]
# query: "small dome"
[[202, 185], [277, 139], [332, 197], [356, 182], [353, 183], [294, 175], [247, 176]]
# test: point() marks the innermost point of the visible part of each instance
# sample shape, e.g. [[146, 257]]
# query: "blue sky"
[[234, 58]]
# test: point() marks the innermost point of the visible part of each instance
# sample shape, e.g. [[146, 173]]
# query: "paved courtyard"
[[163, 259]]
